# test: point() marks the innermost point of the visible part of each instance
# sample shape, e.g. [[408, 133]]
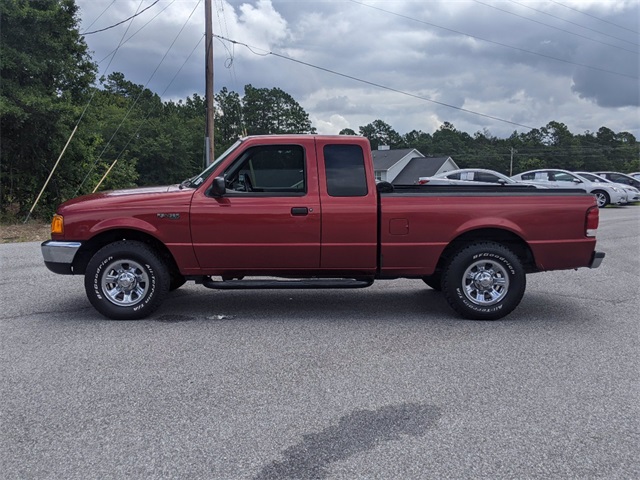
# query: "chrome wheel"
[[485, 283], [125, 282]]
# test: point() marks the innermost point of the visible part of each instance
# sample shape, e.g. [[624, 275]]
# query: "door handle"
[[299, 211]]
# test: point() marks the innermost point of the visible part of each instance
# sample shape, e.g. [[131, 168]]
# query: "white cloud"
[[547, 63]]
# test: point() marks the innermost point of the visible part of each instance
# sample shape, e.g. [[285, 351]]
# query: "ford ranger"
[[305, 211]]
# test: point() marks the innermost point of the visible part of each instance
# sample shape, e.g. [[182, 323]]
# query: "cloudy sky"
[[490, 65]]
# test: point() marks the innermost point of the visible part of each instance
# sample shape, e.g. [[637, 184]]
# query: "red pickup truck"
[[304, 211]]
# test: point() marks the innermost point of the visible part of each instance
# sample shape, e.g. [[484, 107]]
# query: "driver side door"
[[269, 217]]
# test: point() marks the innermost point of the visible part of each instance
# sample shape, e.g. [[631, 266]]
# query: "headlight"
[[57, 224]]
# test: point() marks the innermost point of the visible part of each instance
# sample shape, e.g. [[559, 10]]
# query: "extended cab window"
[[345, 171], [268, 169]]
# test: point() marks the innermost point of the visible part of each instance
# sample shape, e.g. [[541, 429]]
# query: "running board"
[[287, 284]]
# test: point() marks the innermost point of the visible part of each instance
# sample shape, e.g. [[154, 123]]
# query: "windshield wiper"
[[186, 183]]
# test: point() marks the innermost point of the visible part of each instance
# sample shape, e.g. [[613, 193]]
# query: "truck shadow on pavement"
[[418, 303]]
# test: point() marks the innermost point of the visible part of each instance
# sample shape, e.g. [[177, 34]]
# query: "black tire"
[[602, 198], [126, 280], [434, 281], [484, 281]]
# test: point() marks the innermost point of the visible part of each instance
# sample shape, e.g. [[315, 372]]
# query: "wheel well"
[[90, 247], [510, 240]]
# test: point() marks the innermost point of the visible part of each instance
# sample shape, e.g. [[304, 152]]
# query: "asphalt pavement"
[[381, 383]]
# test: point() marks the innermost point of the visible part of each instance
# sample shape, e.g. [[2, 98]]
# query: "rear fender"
[[484, 223]]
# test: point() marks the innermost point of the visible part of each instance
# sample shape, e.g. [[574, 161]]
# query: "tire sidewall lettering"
[[98, 276], [454, 282], [495, 256]]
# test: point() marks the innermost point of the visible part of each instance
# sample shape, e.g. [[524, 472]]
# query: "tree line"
[[49, 85]]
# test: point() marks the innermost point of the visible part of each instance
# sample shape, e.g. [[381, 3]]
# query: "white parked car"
[[633, 194], [556, 178], [482, 175], [635, 175], [447, 181], [620, 178]]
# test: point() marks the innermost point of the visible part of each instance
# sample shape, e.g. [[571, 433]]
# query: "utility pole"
[[513, 150], [208, 83]]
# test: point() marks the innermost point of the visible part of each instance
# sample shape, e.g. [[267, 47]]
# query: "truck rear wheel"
[[484, 281], [126, 280]]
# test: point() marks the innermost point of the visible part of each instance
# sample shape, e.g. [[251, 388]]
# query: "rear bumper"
[[58, 256], [596, 259]]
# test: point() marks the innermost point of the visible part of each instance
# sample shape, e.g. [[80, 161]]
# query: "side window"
[[529, 176], [345, 171], [268, 169], [620, 179], [486, 177], [454, 176], [563, 177]]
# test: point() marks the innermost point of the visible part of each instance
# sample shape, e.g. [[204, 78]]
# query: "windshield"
[[201, 177]]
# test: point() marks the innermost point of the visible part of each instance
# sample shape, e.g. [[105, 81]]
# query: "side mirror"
[[218, 187], [502, 181], [576, 180], [384, 187]]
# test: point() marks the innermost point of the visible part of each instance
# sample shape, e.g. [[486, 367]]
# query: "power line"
[[135, 133], [561, 29], [373, 84], [136, 99], [103, 12], [136, 32], [74, 131], [495, 43], [593, 16], [573, 23], [123, 21]]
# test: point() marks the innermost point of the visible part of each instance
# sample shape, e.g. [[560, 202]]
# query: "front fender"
[[119, 223]]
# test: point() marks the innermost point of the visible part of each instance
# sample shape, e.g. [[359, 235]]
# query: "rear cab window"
[[345, 170]]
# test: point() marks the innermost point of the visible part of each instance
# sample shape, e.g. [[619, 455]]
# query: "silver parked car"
[[482, 175], [633, 194], [556, 178], [620, 178]]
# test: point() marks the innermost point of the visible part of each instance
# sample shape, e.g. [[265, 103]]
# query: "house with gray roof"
[[404, 166]]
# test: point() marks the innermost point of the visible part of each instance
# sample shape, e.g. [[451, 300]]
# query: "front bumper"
[[596, 259], [58, 256]]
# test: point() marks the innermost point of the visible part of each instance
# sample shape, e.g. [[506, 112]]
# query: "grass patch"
[[32, 231]]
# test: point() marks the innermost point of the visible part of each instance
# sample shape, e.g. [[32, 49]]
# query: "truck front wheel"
[[484, 281], [126, 280]]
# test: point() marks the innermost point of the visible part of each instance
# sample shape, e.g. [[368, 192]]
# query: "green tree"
[[228, 119], [419, 140], [46, 75], [381, 133], [273, 111], [449, 141]]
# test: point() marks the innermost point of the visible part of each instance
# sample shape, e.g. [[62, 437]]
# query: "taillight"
[[592, 221], [422, 181]]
